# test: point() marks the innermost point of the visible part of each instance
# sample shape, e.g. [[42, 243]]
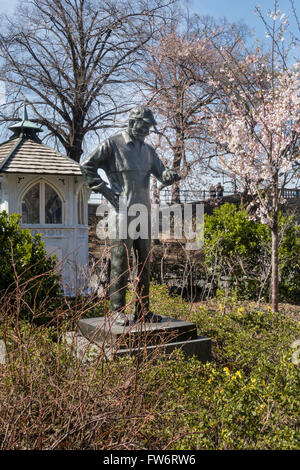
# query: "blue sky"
[[236, 10], [7, 6], [233, 10]]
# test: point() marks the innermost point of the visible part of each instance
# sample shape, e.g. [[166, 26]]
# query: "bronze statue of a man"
[[128, 163]]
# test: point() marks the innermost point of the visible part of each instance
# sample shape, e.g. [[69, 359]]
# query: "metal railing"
[[291, 193], [165, 196], [189, 196], [96, 198]]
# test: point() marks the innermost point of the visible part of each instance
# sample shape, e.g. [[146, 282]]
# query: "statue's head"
[[141, 119]]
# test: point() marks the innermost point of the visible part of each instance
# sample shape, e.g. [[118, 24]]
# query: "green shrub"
[[236, 246], [289, 260], [252, 385], [246, 398], [27, 273]]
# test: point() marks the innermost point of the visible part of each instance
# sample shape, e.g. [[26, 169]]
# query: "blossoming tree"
[[179, 92], [175, 83], [258, 130]]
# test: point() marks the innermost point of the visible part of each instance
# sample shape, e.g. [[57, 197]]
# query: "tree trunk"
[[175, 186], [75, 151], [76, 137], [175, 193], [178, 155], [155, 192], [274, 231], [274, 280]]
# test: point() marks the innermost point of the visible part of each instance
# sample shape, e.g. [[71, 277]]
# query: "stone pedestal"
[[145, 338]]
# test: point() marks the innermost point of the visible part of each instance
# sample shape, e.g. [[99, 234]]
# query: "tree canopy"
[[70, 60]]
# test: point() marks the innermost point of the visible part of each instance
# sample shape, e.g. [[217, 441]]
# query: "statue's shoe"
[[119, 318], [149, 318]]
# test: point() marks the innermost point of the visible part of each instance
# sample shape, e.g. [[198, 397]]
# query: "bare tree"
[[70, 58]]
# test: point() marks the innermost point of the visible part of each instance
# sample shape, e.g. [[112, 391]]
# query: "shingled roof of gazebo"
[[24, 153]]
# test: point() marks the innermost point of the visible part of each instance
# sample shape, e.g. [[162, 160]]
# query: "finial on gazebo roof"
[[25, 115], [25, 128]]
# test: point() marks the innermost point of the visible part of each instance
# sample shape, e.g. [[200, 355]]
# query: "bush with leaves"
[[247, 397], [289, 259], [240, 248], [27, 272]]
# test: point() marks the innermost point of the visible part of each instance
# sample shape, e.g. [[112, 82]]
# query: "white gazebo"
[[49, 191]]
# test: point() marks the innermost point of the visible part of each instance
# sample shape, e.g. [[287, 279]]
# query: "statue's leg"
[[119, 272], [141, 250], [141, 253]]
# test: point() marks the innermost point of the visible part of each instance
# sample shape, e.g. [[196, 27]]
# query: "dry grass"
[[52, 399]]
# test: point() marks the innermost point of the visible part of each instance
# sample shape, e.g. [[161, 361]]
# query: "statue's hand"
[[107, 193], [170, 176]]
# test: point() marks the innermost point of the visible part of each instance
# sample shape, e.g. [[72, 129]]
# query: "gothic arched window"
[[41, 204]]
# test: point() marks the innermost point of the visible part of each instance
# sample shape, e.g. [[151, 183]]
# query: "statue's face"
[[139, 128]]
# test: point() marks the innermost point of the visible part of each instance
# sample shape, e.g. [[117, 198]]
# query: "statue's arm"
[[90, 168], [95, 161], [163, 174]]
